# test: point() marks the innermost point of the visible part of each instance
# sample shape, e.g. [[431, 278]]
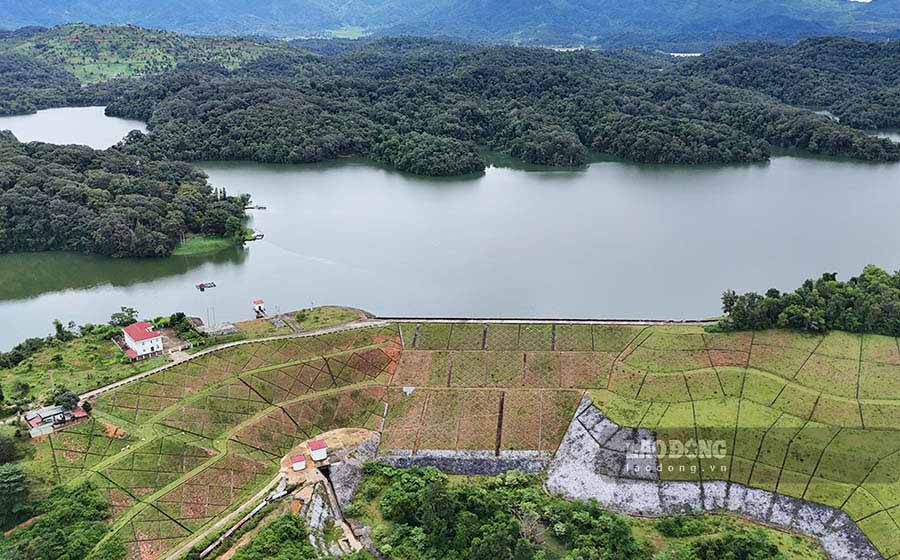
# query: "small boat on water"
[[206, 285]]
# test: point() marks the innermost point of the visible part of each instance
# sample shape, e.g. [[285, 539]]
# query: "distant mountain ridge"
[[660, 23]]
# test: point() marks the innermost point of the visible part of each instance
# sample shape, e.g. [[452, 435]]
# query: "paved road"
[[637, 322], [181, 357]]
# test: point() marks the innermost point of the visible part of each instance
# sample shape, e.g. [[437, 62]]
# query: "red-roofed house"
[[298, 462], [318, 449], [141, 341]]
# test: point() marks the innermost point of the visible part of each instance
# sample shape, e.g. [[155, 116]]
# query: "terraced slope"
[[813, 417], [178, 449]]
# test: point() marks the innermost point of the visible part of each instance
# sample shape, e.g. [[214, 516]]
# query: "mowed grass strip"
[[574, 338], [467, 336], [468, 369], [662, 361], [835, 376], [536, 338], [880, 349], [585, 370], [782, 361], [614, 338], [502, 336]]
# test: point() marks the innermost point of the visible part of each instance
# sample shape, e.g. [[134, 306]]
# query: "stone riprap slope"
[[595, 462]]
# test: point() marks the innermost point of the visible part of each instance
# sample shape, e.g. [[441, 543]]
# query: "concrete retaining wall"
[[591, 463], [469, 462]]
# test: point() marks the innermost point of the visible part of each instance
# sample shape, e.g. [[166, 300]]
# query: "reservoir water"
[[72, 125], [614, 240]]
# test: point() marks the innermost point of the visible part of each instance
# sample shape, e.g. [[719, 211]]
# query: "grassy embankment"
[[202, 245], [199, 244], [813, 417], [325, 317], [807, 416], [198, 428], [304, 320]]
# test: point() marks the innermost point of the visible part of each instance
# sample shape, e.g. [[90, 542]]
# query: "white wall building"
[[141, 341], [319, 450]]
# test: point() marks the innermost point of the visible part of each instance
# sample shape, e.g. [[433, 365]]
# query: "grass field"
[[80, 365], [202, 245], [325, 316], [101, 53], [805, 416]]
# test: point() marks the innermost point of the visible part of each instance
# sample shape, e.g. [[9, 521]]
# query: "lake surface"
[[72, 125], [614, 240]]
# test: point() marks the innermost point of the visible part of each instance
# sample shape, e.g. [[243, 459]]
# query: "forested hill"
[[427, 107], [859, 82], [73, 198], [430, 107], [668, 24]]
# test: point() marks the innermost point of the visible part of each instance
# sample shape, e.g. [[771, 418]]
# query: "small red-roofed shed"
[[318, 449]]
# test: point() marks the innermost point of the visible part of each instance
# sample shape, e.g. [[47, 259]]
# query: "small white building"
[[318, 449], [141, 341], [298, 463]]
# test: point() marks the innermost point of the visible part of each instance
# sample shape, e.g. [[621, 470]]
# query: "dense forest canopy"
[[868, 303], [858, 82], [73, 198], [426, 106], [422, 515], [429, 107], [669, 24], [28, 84]]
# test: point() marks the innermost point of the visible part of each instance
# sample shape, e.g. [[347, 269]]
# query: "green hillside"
[[95, 54], [672, 24]]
